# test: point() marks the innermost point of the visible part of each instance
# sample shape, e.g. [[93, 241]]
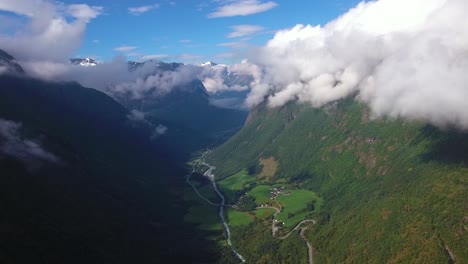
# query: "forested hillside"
[[393, 191]]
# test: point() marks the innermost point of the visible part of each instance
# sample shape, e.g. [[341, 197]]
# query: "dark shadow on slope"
[[112, 201], [449, 146]]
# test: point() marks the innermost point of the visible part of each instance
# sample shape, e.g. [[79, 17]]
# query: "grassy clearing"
[[264, 213], [295, 206], [237, 218], [261, 194], [235, 183]]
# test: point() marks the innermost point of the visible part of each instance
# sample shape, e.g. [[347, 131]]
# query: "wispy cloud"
[[125, 48], [142, 9], [154, 57], [232, 8], [185, 41], [244, 30], [14, 145], [234, 44]]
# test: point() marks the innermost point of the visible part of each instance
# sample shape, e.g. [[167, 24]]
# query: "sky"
[[187, 31], [404, 59]]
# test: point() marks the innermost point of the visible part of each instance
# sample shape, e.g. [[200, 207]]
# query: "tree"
[[247, 203]]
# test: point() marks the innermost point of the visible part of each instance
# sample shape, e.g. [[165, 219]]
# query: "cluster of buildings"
[[275, 191]]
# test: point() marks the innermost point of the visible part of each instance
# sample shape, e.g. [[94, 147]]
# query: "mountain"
[[193, 122], [239, 83], [379, 191], [210, 64], [8, 64], [84, 62], [83, 183], [230, 78]]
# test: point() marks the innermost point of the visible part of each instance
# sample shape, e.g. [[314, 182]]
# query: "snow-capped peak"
[[84, 62], [214, 65], [209, 63]]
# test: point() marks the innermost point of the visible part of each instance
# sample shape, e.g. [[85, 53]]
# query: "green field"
[[264, 213], [234, 183], [261, 194], [296, 203], [237, 218]]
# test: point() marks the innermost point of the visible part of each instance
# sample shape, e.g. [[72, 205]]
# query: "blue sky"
[[397, 54], [184, 30]]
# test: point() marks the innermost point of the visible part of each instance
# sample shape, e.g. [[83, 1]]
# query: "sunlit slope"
[[394, 191]]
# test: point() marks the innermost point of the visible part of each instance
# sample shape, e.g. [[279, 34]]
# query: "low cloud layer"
[[151, 79], [404, 58], [14, 145]]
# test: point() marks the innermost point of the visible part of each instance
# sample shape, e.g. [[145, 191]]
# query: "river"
[[209, 174]]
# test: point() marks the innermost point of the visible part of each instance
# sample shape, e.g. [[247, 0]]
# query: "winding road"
[[198, 193], [309, 246], [274, 229]]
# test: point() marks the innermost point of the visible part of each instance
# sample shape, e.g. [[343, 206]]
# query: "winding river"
[[209, 174]]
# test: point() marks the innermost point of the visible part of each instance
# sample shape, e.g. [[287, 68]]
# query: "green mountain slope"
[[393, 191], [109, 199]]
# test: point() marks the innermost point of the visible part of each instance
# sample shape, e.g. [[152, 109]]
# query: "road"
[[297, 227], [309, 246], [198, 193], [274, 229]]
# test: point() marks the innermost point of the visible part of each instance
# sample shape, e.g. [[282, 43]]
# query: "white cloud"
[[84, 12], [222, 78], [27, 150], [125, 48], [244, 30], [142, 9], [404, 58], [185, 41], [48, 28], [160, 129], [242, 8], [153, 57]]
